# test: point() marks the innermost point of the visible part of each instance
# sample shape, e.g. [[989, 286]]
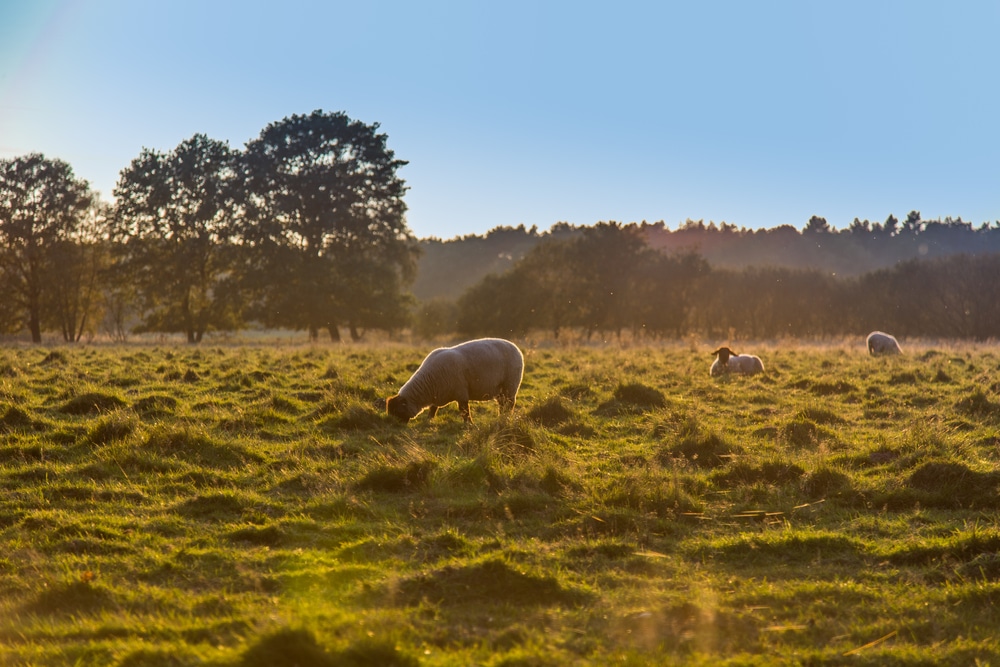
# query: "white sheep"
[[880, 343], [477, 370], [727, 361]]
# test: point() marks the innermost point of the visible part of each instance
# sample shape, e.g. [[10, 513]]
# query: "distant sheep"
[[477, 370], [727, 361], [880, 343]]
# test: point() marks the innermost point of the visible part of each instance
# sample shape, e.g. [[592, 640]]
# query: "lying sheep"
[[478, 370], [727, 361], [880, 343]]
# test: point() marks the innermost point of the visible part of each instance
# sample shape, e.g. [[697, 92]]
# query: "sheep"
[[727, 361], [881, 343], [477, 370]]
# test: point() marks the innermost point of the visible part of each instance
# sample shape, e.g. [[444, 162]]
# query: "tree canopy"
[[174, 230], [42, 207], [324, 206]]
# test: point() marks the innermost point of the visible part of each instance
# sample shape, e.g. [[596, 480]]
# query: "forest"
[[305, 230], [609, 279]]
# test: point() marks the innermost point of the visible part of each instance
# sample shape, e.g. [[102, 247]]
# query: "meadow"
[[251, 506]]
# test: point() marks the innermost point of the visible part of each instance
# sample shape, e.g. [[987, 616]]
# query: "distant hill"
[[447, 268]]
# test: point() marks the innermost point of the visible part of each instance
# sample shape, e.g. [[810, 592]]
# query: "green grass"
[[245, 506]]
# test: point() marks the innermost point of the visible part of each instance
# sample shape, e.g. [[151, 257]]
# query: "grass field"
[[253, 506]]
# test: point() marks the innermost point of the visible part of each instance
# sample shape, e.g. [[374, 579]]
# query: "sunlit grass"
[[227, 505]]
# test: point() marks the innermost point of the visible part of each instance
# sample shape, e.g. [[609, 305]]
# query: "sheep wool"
[[727, 361], [881, 343], [477, 370]]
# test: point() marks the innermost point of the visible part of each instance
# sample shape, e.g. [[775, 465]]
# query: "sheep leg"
[[505, 402], [431, 411], [463, 407]]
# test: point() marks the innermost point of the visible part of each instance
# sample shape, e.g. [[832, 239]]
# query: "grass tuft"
[[703, 449], [832, 388], [800, 433], [978, 404], [357, 418], [828, 483], [80, 596], [17, 419], [113, 427], [287, 646], [221, 507], [92, 403], [954, 485], [494, 579], [769, 472], [631, 399], [156, 405], [397, 479], [550, 412]]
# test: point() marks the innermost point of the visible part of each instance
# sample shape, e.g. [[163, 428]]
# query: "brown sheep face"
[[398, 408], [724, 353]]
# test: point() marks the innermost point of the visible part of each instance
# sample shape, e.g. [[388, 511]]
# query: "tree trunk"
[[334, 333], [35, 326], [355, 335]]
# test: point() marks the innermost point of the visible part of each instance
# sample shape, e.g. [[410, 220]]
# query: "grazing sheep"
[[727, 361], [478, 370], [880, 343]]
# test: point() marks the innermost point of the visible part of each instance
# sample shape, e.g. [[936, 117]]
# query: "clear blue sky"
[[754, 113]]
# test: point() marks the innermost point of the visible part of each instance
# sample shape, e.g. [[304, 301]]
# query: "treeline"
[[303, 229], [447, 268], [607, 280]]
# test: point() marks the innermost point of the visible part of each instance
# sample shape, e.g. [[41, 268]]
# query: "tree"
[[604, 261], [324, 202], [42, 205], [548, 271], [78, 268], [172, 228], [665, 291], [498, 305], [817, 225]]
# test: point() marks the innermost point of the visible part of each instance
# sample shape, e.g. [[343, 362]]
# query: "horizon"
[[539, 114]]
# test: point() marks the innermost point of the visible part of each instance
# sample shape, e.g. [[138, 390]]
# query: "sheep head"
[[724, 353], [399, 408]]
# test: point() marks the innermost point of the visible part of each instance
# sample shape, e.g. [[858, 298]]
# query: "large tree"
[[42, 207], [172, 228], [324, 207]]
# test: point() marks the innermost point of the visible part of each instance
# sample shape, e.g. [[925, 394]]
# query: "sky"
[[535, 112]]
